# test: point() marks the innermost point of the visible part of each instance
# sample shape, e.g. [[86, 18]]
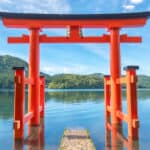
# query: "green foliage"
[[69, 81], [6, 72], [93, 81], [74, 96], [60, 81], [143, 81]]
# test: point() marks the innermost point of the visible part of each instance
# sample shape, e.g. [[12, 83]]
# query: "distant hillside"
[[6, 72], [59, 81], [73, 81], [144, 81], [92, 81]]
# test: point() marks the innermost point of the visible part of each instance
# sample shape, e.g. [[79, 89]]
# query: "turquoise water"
[[70, 109]]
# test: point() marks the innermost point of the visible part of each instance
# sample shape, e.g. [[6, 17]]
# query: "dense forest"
[[60, 81], [6, 71], [72, 81]]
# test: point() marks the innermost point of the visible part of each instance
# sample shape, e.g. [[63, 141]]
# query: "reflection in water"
[[115, 140], [6, 104], [34, 140], [84, 96], [73, 109], [74, 97], [6, 99]]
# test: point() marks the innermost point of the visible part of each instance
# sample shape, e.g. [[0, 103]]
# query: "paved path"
[[76, 139]]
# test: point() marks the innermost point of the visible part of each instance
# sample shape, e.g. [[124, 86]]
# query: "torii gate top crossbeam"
[[20, 20]]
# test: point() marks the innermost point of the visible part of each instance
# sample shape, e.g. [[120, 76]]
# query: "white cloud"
[[56, 69], [128, 7], [5, 1], [136, 1], [96, 49], [36, 6]]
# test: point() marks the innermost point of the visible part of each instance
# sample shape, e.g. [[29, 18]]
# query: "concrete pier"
[[76, 139]]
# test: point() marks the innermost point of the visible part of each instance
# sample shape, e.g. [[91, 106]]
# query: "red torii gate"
[[36, 22]]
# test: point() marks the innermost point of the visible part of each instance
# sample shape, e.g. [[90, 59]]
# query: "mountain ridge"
[[57, 81]]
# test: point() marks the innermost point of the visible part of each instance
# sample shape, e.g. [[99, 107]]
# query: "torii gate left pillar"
[[34, 75]]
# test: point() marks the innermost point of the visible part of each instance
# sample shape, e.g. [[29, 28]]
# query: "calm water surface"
[[70, 109]]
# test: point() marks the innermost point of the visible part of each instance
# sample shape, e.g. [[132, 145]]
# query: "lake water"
[[70, 109]]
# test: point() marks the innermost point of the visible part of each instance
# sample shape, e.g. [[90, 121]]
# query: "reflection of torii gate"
[[75, 23]]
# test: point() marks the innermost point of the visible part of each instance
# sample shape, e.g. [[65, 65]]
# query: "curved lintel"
[[97, 23]]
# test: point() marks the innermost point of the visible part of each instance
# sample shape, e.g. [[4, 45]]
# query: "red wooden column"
[[115, 73], [133, 121], [107, 114], [107, 97], [42, 135], [42, 96], [18, 144], [34, 89], [19, 99]]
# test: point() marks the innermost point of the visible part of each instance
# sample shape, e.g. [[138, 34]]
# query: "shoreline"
[[74, 90]]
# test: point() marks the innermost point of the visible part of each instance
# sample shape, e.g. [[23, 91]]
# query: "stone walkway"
[[76, 139]]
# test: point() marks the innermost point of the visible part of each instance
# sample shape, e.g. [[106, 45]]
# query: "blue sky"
[[79, 58]]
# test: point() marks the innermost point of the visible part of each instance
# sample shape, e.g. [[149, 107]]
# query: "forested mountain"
[[6, 72], [59, 81], [72, 81]]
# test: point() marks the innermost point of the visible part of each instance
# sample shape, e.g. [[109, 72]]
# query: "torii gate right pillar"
[[115, 73]]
